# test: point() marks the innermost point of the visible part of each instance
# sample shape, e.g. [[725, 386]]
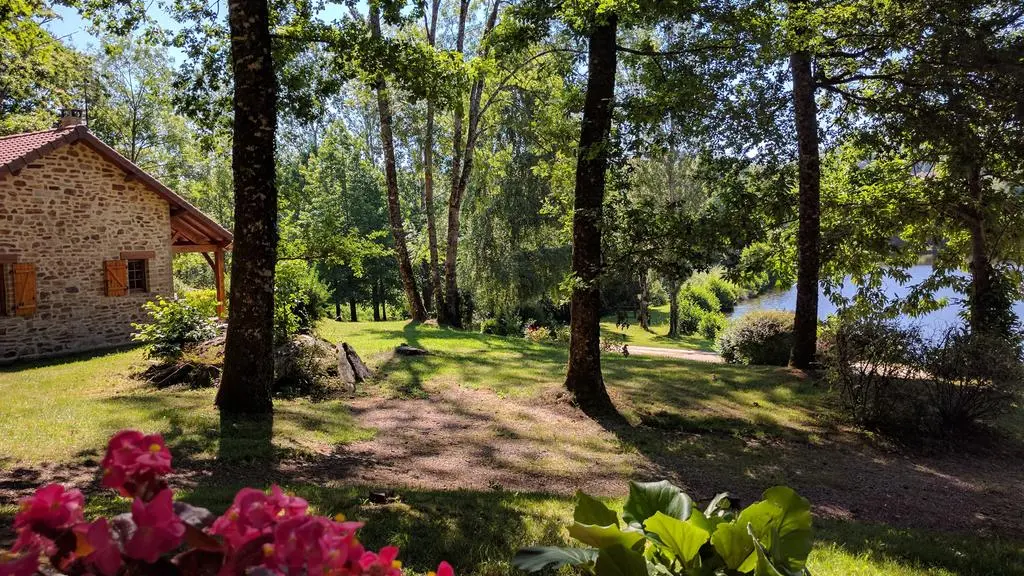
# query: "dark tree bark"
[[352, 310], [337, 309], [644, 302], [989, 308], [584, 379], [412, 295], [805, 109], [245, 386]]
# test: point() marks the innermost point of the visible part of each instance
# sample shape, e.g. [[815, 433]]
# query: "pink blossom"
[[24, 565], [255, 513], [105, 554], [51, 508], [135, 463], [157, 529], [384, 563], [444, 569]]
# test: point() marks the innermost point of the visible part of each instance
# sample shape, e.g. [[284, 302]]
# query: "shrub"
[[203, 300], [727, 293], [690, 316], [173, 325], [711, 324], [891, 380], [871, 363], [703, 297], [538, 334], [562, 334], [760, 337], [661, 532], [971, 378], [505, 324], [260, 533]]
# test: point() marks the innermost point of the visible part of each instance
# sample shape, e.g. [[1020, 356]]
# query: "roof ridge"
[[57, 129]]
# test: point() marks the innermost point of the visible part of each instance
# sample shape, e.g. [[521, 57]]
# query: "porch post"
[[218, 279]]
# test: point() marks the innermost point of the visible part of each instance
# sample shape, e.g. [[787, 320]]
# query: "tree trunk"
[[805, 109], [584, 378], [337, 309], [644, 302], [673, 309], [428, 181], [462, 169], [375, 296], [352, 310], [245, 386], [405, 270], [989, 310]]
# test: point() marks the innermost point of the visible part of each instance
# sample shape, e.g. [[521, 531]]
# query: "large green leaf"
[[620, 561], [537, 558], [792, 536], [734, 545], [765, 566], [590, 510], [683, 539], [648, 498], [604, 536]]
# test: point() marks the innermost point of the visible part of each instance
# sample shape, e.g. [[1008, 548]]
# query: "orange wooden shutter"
[[24, 289], [117, 277]]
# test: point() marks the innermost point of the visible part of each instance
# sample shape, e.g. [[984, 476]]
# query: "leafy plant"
[[661, 533], [727, 293], [690, 316], [299, 299], [702, 296], [760, 337], [173, 325], [711, 324]]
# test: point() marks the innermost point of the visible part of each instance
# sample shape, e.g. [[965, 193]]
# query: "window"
[[137, 276]]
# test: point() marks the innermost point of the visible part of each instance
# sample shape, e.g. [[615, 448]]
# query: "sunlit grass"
[[657, 335]]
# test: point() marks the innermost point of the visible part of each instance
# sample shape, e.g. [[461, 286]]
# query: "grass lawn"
[[657, 336], [482, 454]]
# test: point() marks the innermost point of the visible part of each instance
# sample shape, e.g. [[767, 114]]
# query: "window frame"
[[144, 277]]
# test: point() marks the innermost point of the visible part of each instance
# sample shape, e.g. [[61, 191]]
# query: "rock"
[[361, 371], [305, 365], [404, 349], [345, 372]]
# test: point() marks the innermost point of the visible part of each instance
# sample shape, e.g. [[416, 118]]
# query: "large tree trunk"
[[643, 307], [584, 378], [989, 310], [352, 310], [805, 109], [405, 270], [245, 386]]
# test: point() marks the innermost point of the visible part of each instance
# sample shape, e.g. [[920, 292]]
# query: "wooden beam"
[[138, 255], [181, 225], [179, 248], [218, 279]]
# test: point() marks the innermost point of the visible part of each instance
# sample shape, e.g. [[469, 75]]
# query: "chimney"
[[71, 117]]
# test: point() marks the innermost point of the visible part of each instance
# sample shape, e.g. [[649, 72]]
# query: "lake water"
[[931, 323]]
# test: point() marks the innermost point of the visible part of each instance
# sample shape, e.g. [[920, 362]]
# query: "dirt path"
[[682, 354]]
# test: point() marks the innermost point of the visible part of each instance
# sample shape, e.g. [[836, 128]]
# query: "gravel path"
[[695, 355]]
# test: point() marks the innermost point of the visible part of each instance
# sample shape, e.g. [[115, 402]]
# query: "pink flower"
[[384, 563], [444, 569], [157, 529], [135, 463], [25, 565], [255, 513], [51, 508], [105, 554]]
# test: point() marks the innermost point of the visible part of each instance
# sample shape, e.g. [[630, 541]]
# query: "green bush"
[[690, 316], [711, 324], [760, 337], [727, 293], [173, 325], [299, 299], [505, 324], [702, 296], [203, 300], [661, 532]]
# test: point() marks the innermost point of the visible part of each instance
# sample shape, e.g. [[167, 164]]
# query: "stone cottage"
[[86, 237]]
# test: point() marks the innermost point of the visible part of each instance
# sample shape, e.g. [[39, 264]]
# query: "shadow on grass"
[[21, 365]]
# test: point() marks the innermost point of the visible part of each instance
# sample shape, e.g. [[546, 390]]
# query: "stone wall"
[[67, 213]]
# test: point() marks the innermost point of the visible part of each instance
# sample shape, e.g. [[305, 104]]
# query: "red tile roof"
[[19, 150], [19, 146]]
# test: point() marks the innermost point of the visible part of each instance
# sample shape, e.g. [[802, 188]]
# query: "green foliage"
[[661, 533], [702, 296], [299, 299], [727, 293], [759, 337], [173, 325], [690, 316], [892, 380], [711, 324]]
